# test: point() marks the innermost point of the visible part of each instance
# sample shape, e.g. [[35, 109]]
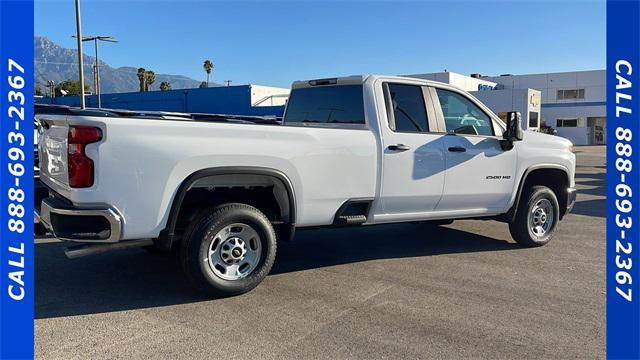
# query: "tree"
[[141, 79], [165, 85], [71, 87], [38, 91], [203, 85], [208, 66], [146, 78], [150, 78]]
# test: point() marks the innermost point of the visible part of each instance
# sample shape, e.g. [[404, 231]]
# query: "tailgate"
[[52, 149]]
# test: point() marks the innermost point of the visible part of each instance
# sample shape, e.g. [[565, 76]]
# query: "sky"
[[277, 42]]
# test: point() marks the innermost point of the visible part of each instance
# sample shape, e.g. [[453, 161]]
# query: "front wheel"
[[537, 217], [228, 250]]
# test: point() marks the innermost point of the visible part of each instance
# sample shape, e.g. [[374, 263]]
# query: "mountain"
[[53, 62]]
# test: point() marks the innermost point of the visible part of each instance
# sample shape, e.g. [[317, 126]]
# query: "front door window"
[[461, 116]]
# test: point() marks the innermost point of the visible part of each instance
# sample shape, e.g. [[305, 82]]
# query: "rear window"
[[342, 104]]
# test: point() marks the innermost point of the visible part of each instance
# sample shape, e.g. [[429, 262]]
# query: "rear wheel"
[[228, 250], [537, 217]]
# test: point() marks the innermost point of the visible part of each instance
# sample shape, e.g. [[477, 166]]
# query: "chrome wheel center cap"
[[233, 250]]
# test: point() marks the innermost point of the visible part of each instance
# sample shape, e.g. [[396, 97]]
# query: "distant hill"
[[53, 62]]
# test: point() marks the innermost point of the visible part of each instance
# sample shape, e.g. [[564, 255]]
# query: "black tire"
[[202, 232], [520, 228]]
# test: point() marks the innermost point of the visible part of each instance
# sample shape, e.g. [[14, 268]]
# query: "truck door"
[[413, 157], [479, 174]]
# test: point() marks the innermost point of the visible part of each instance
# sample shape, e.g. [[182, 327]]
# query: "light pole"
[[95, 40], [52, 89], [80, 62]]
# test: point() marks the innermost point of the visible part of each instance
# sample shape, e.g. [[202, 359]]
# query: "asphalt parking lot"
[[396, 291]]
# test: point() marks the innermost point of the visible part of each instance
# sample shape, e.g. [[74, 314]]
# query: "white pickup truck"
[[359, 150]]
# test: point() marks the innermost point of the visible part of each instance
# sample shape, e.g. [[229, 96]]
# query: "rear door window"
[[462, 116], [326, 105], [409, 112]]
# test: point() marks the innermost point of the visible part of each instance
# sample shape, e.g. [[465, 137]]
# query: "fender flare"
[[167, 235], [510, 215]]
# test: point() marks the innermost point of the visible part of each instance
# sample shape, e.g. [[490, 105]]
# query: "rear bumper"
[[66, 222], [571, 198]]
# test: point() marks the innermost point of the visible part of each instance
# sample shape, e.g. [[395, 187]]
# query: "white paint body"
[[140, 164]]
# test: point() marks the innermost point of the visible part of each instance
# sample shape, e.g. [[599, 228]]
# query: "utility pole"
[[80, 62], [95, 40], [228, 82], [52, 89], [95, 82]]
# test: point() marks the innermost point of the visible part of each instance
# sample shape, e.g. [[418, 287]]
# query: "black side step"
[[351, 219], [353, 212]]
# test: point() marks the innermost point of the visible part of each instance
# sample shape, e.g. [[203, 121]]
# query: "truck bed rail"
[[44, 109]]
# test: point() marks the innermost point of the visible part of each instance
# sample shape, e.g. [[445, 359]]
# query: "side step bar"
[[76, 251], [351, 219], [353, 212]]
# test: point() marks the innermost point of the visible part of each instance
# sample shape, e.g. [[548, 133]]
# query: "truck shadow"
[[591, 184], [132, 279]]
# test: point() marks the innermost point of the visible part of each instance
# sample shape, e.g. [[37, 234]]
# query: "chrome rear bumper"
[[81, 225]]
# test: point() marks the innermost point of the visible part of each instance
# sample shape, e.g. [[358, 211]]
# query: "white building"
[[268, 95], [525, 101], [574, 102], [464, 82]]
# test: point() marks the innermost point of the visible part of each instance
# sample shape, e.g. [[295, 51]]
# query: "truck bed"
[[43, 109], [140, 164]]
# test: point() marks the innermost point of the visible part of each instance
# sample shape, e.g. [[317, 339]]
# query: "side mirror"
[[513, 132]]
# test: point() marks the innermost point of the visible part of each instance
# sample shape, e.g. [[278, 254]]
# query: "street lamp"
[[95, 40], [52, 88], [80, 62]]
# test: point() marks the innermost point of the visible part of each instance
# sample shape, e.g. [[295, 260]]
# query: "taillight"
[[80, 166]]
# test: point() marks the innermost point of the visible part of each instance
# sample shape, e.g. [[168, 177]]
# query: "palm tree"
[[165, 85], [141, 78], [149, 79], [208, 66]]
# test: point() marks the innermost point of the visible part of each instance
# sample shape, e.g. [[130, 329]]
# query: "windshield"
[[340, 104]]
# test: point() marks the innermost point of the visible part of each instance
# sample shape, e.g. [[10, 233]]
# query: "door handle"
[[458, 149], [398, 147]]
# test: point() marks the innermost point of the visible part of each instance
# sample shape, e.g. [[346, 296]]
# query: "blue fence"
[[235, 100]]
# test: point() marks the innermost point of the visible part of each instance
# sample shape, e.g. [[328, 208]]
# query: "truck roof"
[[361, 79]]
